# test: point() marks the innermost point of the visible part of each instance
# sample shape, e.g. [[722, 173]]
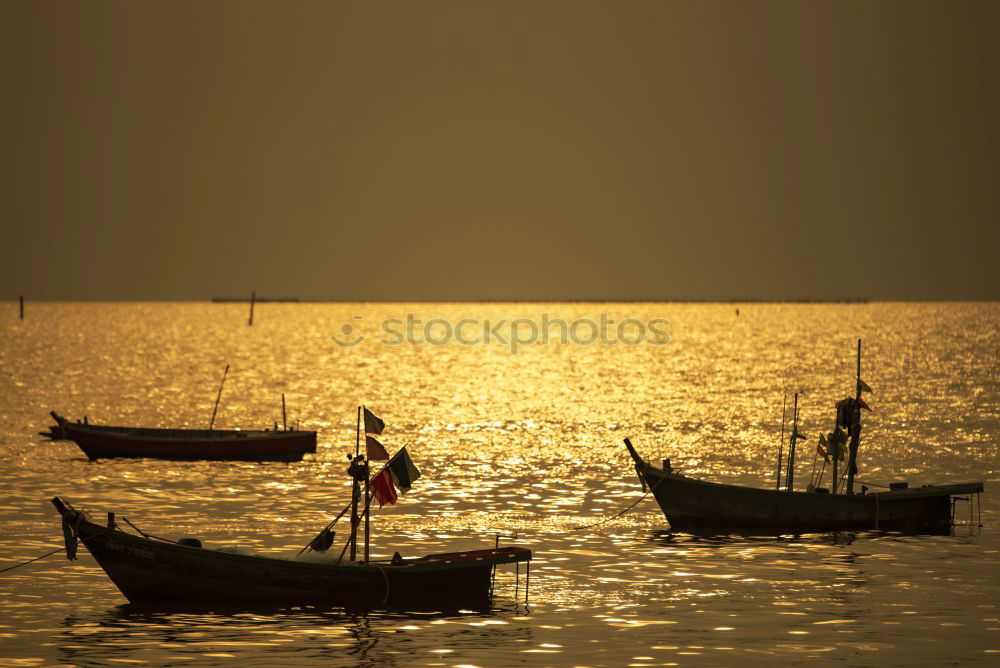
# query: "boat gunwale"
[[435, 562], [908, 493], [180, 434]]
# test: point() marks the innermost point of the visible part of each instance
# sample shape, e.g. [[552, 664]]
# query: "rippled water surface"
[[526, 442]]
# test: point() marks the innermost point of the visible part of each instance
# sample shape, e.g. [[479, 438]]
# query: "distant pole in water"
[[217, 397], [22, 307], [253, 298], [284, 419]]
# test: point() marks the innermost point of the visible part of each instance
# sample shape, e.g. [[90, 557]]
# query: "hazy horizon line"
[[671, 300]]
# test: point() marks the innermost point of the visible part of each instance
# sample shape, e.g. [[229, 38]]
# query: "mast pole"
[[368, 500], [790, 475], [217, 397], [284, 417], [852, 456], [781, 441], [355, 490]]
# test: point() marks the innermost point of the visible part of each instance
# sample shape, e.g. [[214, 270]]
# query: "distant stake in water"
[[22, 307], [253, 298]]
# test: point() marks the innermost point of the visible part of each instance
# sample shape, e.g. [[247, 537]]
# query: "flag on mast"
[[384, 491], [374, 450], [373, 423], [403, 471]]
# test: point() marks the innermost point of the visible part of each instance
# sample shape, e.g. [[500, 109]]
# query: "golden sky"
[[500, 150]]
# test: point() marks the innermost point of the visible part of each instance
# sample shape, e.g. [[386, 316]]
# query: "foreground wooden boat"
[[156, 572], [104, 441], [700, 506]]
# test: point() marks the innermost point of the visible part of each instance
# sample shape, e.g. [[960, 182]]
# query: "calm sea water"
[[526, 443]]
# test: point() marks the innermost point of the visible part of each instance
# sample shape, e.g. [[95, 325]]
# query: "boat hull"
[[104, 442], [698, 506], [157, 573]]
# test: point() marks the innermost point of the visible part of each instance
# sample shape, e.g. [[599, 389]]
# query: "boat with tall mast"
[[700, 506], [151, 570]]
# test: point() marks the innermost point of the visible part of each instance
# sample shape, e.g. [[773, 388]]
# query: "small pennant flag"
[[375, 450], [863, 386], [403, 471], [373, 423], [384, 491], [822, 453]]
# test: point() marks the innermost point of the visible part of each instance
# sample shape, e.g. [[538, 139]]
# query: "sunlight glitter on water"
[[527, 443]]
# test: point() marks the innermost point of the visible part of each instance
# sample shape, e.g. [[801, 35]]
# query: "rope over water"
[[25, 563], [617, 515]]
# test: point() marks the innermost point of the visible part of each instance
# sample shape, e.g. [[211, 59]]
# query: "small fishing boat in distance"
[[699, 506], [154, 571], [105, 441]]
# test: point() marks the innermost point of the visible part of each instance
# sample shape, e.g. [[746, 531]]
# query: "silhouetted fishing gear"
[[792, 441], [781, 440], [218, 397]]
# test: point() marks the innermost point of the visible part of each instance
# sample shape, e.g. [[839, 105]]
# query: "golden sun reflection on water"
[[527, 444]]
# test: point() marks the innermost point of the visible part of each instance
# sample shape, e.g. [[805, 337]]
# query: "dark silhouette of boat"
[[699, 506], [103, 441], [154, 571], [149, 569]]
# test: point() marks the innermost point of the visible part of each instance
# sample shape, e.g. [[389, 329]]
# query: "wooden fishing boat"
[[104, 441], [699, 506], [150, 570], [157, 572]]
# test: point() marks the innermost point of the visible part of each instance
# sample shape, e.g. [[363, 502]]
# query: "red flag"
[[375, 451], [384, 491]]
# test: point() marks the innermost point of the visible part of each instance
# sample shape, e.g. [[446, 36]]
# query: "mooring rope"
[[385, 599], [25, 563], [76, 534], [616, 516]]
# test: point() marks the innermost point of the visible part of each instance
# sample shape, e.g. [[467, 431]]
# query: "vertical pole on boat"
[[217, 397], [790, 475], [253, 298], [22, 307], [852, 451], [781, 441], [834, 473], [355, 491], [527, 581], [368, 500], [284, 418], [493, 574]]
